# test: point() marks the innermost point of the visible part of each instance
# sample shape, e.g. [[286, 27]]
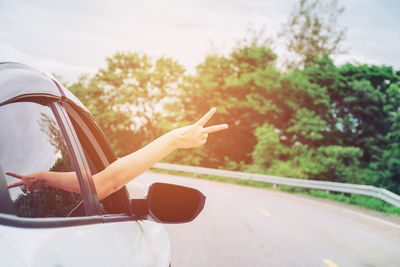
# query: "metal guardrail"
[[366, 190]]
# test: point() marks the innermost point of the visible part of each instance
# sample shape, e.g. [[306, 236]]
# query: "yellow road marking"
[[330, 263], [266, 213]]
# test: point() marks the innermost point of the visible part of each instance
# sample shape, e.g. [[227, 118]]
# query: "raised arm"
[[123, 170], [120, 172]]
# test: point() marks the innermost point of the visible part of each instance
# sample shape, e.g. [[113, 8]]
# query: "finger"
[[205, 136], [206, 117], [215, 128], [15, 185], [14, 175]]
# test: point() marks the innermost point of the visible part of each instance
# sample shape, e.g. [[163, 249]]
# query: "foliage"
[[268, 148], [384, 167], [132, 98], [46, 202], [311, 31], [116, 124], [307, 124], [324, 122], [317, 121], [242, 87], [139, 86], [334, 163], [364, 113]]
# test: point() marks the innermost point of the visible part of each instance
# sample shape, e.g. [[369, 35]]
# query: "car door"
[[151, 243], [43, 228]]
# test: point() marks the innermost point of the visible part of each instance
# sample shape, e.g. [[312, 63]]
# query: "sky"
[[73, 37]]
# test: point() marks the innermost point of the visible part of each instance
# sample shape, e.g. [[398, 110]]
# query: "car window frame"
[[87, 187], [99, 142]]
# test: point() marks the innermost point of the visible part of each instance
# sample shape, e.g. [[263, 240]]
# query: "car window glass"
[[31, 141]]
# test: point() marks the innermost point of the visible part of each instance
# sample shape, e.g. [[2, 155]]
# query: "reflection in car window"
[[31, 141]]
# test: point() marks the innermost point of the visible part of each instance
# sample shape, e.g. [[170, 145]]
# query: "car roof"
[[18, 80], [20, 76]]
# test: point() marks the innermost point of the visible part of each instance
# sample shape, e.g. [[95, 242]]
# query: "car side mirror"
[[170, 203]]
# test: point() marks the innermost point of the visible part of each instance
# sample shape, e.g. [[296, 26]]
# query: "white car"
[[44, 127]]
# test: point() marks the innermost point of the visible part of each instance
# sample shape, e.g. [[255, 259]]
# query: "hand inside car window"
[[120, 172]]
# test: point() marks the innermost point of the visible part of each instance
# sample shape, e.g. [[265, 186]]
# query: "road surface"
[[246, 226]]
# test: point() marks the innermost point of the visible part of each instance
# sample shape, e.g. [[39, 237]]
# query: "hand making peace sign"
[[196, 134], [31, 181]]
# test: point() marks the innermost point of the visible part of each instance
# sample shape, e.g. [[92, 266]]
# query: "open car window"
[[99, 155]]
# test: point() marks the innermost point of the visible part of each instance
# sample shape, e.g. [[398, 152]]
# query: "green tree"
[[269, 148], [363, 113], [243, 87], [384, 166], [322, 122], [116, 124], [305, 110], [249, 91], [132, 99], [357, 99], [312, 31]]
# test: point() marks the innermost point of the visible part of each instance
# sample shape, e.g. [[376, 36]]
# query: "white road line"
[[347, 210], [330, 263], [266, 213], [366, 216]]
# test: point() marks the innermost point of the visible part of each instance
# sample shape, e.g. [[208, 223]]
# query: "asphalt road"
[[245, 226]]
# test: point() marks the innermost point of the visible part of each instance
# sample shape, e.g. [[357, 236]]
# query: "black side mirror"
[[169, 203]]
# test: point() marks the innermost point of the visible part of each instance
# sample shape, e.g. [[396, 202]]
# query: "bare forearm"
[[120, 172], [127, 168], [117, 174], [63, 180]]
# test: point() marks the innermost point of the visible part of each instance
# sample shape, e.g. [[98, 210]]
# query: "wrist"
[[173, 139], [41, 178]]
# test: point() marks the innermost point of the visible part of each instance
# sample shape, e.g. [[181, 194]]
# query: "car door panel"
[[86, 245]]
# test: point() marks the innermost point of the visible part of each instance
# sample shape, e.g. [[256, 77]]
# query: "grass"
[[370, 203]]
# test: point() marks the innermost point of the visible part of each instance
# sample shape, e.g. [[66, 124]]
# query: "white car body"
[[136, 243], [97, 239]]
